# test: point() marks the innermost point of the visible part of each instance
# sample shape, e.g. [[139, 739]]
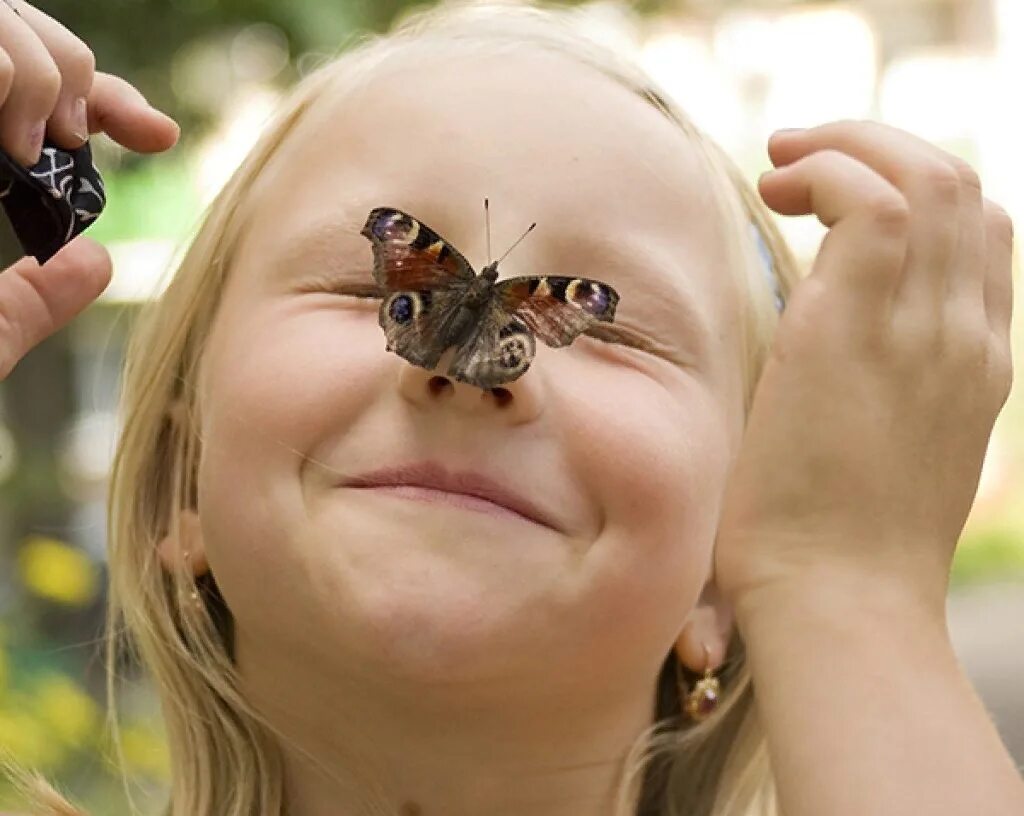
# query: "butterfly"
[[433, 300]]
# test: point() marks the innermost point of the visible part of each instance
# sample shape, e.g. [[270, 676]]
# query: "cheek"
[[651, 453], [269, 398], [272, 377], [654, 455]]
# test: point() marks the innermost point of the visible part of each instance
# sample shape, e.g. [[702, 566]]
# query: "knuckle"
[[1000, 367], [6, 68], [915, 344], [825, 157], [942, 181], [999, 221], [967, 338], [47, 82], [78, 59], [830, 154], [967, 175], [890, 212]]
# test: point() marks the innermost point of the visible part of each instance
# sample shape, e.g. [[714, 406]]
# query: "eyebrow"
[[321, 243]]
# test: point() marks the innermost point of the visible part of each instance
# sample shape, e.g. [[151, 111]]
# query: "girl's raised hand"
[[49, 86], [865, 441]]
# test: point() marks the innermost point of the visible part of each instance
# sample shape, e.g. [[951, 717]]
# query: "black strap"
[[51, 202]]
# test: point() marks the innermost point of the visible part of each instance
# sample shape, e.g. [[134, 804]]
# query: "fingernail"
[[34, 143], [80, 119], [784, 131]]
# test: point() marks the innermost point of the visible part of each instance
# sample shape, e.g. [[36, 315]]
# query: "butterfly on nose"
[[433, 300]]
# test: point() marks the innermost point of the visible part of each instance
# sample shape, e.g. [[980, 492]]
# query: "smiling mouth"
[[432, 495], [430, 482]]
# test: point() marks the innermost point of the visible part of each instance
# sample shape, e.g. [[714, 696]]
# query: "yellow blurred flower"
[[27, 739], [57, 571], [66, 711], [145, 751]]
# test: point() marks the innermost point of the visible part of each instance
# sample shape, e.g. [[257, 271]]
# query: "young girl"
[[712, 491]]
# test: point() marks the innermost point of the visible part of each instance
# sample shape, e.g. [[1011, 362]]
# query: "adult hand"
[[49, 87]]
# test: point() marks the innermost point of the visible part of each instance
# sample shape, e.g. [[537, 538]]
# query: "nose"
[[516, 402]]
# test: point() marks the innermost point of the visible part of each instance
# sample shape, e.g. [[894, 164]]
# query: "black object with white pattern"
[[53, 201]]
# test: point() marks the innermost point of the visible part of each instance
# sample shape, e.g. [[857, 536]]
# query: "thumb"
[[36, 301]]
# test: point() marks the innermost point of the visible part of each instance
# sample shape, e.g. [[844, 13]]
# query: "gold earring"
[[700, 702], [198, 604]]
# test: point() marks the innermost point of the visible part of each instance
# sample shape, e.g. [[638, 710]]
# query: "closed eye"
[[625, 336], [343, 285], [605, 332]]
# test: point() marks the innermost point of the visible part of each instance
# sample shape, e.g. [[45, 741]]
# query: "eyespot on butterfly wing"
[[498, 352], [408, 255], [558, 308], [413, 324]]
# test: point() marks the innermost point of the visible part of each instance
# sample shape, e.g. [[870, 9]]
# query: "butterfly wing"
[[558, 309], [416, 323], [409, 256], [499, 351], [424, 279]]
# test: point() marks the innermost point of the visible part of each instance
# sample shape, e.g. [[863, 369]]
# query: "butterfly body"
[[433, 300], [474, 299]]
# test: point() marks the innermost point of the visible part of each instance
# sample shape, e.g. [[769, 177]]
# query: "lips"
[[435, 476]]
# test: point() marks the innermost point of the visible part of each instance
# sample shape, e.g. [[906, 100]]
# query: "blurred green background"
[[948, 70]]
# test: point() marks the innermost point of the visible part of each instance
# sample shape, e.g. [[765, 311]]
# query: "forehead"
[[616, 190]]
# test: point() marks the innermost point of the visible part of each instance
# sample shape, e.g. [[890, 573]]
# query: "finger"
[[965, 277], [122, 112], [999, 271], [33, 92], [922, 172], [865, 248], [868, 219], [36, 301], [69, 124]]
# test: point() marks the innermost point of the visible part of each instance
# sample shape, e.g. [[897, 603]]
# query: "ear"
[[708, 624], [171, 550]]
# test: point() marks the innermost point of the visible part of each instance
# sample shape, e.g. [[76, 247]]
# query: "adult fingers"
[[33, 88], [36, 301], [122, 112], [46, 73], [68, 125]]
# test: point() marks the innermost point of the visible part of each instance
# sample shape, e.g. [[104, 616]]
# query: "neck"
[[366, 742]]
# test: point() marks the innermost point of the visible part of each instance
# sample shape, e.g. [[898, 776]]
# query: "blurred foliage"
[[989, 554], [155, 199], [50, 722], [149, 41], [144, 40]]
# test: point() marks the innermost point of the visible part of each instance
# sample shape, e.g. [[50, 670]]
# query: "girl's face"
[[623, 452]]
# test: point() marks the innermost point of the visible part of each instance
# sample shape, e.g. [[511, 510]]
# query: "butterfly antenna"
[[487, 218], [521, 237]]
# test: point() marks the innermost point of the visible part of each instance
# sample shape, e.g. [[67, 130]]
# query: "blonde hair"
[[225, 759]]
